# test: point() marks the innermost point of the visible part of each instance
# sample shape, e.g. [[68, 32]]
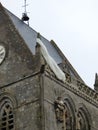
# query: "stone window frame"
[[7, 98], [84, 113], [7, 116], [69, 103]]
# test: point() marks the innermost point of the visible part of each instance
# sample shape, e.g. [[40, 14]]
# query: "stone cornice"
[[79, 88]]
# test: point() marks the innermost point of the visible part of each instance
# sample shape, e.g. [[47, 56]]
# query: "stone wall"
[[75, 102], [25, 98]]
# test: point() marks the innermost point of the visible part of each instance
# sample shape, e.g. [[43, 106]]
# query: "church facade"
[[39, 88]]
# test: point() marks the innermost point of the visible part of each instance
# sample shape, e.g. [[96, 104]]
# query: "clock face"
[[2, 53]]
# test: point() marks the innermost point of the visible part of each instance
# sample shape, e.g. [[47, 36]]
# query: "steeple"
[[24, 15], [96, 82]]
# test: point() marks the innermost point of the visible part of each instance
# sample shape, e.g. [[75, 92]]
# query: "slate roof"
[[29, 35]]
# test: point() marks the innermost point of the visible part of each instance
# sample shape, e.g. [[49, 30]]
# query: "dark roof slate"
[[29, 35]]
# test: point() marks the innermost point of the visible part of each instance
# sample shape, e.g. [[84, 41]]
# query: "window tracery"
[[7, 116]]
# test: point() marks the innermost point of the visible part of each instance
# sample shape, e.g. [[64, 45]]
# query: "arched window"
[[6, 116], [84, 118], [65, 113], [70, 121]]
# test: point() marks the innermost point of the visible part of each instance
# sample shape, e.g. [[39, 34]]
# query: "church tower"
[[39, 88]]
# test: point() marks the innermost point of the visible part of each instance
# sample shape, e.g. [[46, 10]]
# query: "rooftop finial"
[[96, 82], [24, 15]]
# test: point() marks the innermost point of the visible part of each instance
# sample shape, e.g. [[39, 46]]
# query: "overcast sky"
[[72, 24]]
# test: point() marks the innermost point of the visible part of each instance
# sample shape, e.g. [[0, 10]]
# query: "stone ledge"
[[80, 89]]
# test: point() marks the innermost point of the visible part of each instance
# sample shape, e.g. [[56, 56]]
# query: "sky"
[[72, 24]]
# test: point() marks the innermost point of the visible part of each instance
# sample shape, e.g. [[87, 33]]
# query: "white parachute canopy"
[[50, 61]]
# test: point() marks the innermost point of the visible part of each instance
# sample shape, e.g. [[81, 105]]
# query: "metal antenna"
[[24, 15], [25, 5]]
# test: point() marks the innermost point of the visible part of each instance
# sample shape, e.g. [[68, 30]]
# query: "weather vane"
[[24, 15]]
